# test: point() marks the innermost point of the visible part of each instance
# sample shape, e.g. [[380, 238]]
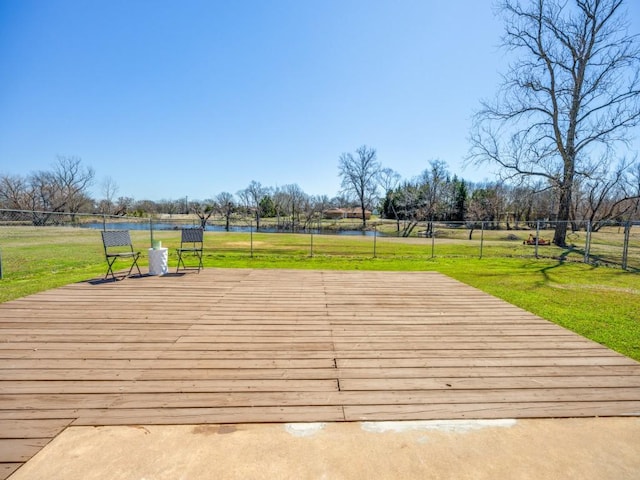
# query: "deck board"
[[232, 346]]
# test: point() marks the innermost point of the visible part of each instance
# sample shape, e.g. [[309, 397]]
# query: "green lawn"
[[600, 303]]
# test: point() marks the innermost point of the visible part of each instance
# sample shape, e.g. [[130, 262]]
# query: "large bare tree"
[[569, 99], [359, 174]]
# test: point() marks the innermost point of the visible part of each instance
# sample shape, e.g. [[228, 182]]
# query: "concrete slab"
[[593, 448]]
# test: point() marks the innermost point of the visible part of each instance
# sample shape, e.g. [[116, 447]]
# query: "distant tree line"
[[435, 195]]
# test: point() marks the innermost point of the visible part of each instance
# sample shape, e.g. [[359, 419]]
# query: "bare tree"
[[420, 200], [13, 191], [488, 204], [359, 176], [63, 189], [123, 205], [170, 206], [73, 181], [480, 207], [144, 207], [524, 202], [573, 93], [225, 205], [252, 196], [389, 180], [280, 205], [109, 189], [45, 194], [608, 196], [295, 202], [203, 210], [316, 205]]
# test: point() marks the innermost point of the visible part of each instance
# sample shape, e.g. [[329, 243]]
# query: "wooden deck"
[[233, 346]]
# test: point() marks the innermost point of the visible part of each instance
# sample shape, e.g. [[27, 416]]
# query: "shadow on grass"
[[562, 260], [595, 261]]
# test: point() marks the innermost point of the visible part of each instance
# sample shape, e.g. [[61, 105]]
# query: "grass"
[[599, 303]]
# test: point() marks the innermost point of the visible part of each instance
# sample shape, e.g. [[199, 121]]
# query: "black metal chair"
[[192, 241], [117, 245]]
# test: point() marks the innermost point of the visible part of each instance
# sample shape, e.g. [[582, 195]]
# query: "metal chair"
[[191, 242], [117, 245]]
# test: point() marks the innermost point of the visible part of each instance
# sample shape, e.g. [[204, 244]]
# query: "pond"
[[220, 228]]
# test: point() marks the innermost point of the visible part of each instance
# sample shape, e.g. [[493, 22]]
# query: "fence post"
[[433, 241], [0, 264], [374, 240], [587, 242], [251, 238], [537, 236], [151, 230], [625, 248], [481, 238], [104, 222], [311, 250]]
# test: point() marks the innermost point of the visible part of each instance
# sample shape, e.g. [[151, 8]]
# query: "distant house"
[[338, 213]]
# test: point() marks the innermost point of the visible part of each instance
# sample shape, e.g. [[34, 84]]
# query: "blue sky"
[[192, 98]]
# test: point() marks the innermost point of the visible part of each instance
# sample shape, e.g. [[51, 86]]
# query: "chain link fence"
[[614, 244]]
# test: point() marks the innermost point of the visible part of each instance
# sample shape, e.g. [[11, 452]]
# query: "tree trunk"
[[408, 228], [564, 208]]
